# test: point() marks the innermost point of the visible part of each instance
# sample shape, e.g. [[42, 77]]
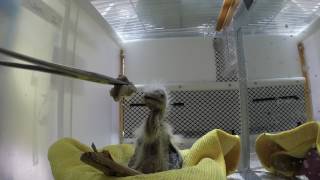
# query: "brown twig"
[[104, 162]]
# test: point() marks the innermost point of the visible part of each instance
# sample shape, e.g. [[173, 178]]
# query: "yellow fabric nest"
[[295, 142], [213, 157]]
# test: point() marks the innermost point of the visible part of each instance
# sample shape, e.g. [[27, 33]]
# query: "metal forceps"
[[52, 68]]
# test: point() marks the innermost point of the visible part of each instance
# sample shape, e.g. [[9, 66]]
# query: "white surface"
[[276, 82], [28, 105], [192, 59], [35, 108], [271, 57], [170, 60], [143, 19], [94, 115], [281, 17], [197, 86], [312, 54]]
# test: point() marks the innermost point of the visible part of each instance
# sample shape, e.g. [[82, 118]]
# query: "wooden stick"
[[121, 102], [307, 92], [103, 162], [90, 160], [227, 4], [230, 13]]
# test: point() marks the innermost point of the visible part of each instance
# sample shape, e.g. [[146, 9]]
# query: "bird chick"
[[154, 151]]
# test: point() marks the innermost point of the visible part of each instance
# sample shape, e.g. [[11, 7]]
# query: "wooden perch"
[[230, 13], [104, 162], [307, 92], [121, 102], [226, 13]]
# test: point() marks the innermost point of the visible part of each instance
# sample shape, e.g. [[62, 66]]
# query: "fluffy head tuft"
[[156, 92]]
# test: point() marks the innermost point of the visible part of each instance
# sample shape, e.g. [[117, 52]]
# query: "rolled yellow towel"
[[295, 143], [212, 157]]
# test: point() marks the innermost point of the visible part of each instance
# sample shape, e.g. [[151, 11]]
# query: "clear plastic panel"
[[28, 122], [262, 57], [36, 109], [284, 17], [277, 91], [140, 19]]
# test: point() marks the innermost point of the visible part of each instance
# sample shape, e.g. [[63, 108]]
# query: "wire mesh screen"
[[226, 57], [191, 113], [276, 108]]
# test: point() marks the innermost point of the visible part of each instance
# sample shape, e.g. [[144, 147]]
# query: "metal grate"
[[272, 108], [276, 108], [201, 112], [281, 16], [137, 19], [226, 57]]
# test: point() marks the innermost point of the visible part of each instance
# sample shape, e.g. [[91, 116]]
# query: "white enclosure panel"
[[28, 100], [94, 114], [37, 109], [312, 53], [270, 57], [145, 19], [170, 60], [281, 17]]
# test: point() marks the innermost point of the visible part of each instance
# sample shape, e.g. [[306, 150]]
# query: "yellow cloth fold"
[[295, 142], [212, 157]]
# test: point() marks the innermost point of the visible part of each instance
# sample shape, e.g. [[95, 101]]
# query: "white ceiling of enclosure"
[[138, 19], [288, 17], [142, 19]]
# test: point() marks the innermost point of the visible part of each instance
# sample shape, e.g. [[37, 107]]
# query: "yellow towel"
[[212, 157], [295, 142]]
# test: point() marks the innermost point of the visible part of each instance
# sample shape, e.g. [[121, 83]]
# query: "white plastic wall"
[[94, 113], [36, 109], [28, 119], [170, 60], [312, 55], [192, 59], [270, 57]]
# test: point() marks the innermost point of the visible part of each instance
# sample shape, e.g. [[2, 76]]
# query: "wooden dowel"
[[230, 13], [121, 109], [104, 162], [223, 13], [307, 92], [226, 13]]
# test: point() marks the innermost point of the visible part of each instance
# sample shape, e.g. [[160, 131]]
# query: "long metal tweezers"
[[52, 68]]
